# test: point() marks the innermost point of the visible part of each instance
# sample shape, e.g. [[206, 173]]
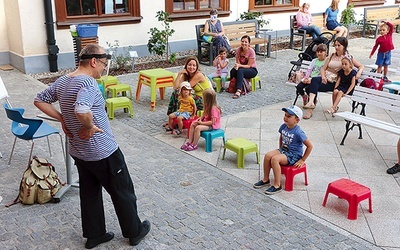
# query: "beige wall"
[[3, 29]]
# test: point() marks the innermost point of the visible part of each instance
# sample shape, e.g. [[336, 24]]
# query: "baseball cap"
[[294, 110], [186, 85]]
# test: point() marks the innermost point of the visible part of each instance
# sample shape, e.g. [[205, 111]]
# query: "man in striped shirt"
[[92, 145]]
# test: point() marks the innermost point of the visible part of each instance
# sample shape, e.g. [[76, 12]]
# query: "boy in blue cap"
[[290, 151]]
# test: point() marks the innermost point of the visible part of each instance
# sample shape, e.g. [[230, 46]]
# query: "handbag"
[[39, 183], [207, 39]]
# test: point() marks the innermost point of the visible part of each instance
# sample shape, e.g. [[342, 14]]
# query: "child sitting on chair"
[[290, 151], [211, 119], [344, 85], [314, 69], [221, 64], [187, 108]]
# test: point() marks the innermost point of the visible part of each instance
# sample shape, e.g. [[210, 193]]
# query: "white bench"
[[364, 75], [365, 96]]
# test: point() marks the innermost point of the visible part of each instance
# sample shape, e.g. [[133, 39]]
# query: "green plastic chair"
[[241, 147]]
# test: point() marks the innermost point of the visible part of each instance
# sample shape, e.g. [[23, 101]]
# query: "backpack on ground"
[[39, 183]]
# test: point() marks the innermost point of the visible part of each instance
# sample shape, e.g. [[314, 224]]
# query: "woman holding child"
[[330, 71], [198, 82]]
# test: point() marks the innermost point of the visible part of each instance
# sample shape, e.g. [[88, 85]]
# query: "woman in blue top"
[[330, 19]]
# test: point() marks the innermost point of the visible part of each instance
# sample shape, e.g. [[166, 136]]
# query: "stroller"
[[310, 52]]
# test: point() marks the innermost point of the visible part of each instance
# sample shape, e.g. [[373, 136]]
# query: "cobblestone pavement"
[[191, 204]]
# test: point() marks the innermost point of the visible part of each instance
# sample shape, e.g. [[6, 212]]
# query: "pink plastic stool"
[[290, 172], [351, 191]]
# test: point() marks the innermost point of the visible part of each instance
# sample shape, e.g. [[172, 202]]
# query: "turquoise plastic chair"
[[210, 135], [29, 129]]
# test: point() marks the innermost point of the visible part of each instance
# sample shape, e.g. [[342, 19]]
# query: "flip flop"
[[237, 95], [308, 115], [312, 106]]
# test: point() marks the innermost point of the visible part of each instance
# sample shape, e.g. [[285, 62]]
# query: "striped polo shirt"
[[82, 90]]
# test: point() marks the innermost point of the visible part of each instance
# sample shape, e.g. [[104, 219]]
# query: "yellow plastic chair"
[[155, 79], [253, 81], [115, 103], [107, 81], [241, 147], [120, 88]]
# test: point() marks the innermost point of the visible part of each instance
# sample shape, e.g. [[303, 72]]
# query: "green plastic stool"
[[218, 83], [241, 147], [107, 81], [253, 82], [115, 103], [120, 88]]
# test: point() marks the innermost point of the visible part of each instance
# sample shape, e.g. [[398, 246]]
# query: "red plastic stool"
[[351, 191], [290, 172], [186, 124]]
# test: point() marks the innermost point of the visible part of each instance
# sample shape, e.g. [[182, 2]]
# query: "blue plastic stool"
[[210, 135]]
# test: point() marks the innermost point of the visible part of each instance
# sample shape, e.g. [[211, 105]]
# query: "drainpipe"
[[51, 41]]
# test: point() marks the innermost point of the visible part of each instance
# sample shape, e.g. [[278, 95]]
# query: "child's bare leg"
[[379, 69], [180, 122], [276, 162], [267, 163], [339, 96], [385, 70], [171, 120], [334, 93], [191, 133], [197, 132]]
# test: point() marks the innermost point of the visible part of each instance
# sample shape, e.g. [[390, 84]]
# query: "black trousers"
[[112, 174]]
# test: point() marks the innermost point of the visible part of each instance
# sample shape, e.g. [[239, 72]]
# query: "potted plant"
[[158, 42], [254, 15], [348, 18]]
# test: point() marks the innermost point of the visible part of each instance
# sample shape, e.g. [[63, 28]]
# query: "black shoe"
[[143, 232], [261, 184], [93, 242], [394, 169], [273, 190]]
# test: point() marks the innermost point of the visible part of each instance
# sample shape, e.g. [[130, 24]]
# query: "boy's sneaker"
[[385, 79], [273, 190], [168, 129], [178, 131], [394, 169], [261, 184]]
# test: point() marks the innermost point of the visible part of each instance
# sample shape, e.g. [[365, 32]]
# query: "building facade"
[[26, 31]]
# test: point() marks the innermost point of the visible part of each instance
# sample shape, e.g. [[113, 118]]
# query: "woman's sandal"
[[331, 111], [311, 106], [237, 94], [308, 115]]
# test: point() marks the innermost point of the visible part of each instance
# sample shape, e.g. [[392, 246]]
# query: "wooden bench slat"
[[374, 15], [375, 123]]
